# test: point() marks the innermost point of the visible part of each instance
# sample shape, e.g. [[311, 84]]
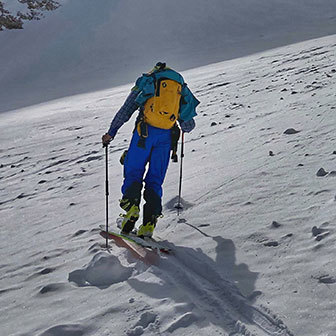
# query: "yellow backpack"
[[162, 110]]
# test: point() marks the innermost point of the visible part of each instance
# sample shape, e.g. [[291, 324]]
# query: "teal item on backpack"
[[146, 87], [188, 105]]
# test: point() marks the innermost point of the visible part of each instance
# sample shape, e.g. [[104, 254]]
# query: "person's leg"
[[134, 169], [158, 164]]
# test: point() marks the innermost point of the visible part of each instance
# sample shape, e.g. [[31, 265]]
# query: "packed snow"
[[86, 45], [253, 249]]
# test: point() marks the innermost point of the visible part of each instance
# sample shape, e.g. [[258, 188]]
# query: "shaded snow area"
[[253, 249], [87, 45]]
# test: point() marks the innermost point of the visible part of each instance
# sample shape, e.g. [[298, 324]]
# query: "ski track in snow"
[[212, 298], [54, 264]]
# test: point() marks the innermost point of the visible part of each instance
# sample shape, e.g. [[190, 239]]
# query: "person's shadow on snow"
[[240, 274], [204, 290]]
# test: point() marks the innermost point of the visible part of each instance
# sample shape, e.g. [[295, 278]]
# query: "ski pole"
[[106, 191], [179, 205]]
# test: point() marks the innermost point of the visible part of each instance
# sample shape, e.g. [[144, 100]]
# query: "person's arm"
[[187, 126], [187, 110], [122, 116], [124, 113]]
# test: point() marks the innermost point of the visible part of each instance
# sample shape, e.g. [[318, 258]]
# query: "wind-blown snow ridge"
[[253, 249]]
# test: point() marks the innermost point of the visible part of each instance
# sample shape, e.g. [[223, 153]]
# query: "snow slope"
[[254, 247], [87, 45]]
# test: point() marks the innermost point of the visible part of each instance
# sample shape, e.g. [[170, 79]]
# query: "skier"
[[162, 98]]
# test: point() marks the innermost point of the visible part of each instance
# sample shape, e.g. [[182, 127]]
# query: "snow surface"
[[88, 45], [254, 248]]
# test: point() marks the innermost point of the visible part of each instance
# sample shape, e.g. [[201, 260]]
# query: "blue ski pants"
[[155, 157]]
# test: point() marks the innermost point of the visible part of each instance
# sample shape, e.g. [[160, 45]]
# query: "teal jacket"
[[145, 85]]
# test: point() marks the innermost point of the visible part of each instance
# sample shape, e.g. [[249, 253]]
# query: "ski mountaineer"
[[162, 98]]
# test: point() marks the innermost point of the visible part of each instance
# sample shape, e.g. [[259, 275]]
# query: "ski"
[[148, 243]]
